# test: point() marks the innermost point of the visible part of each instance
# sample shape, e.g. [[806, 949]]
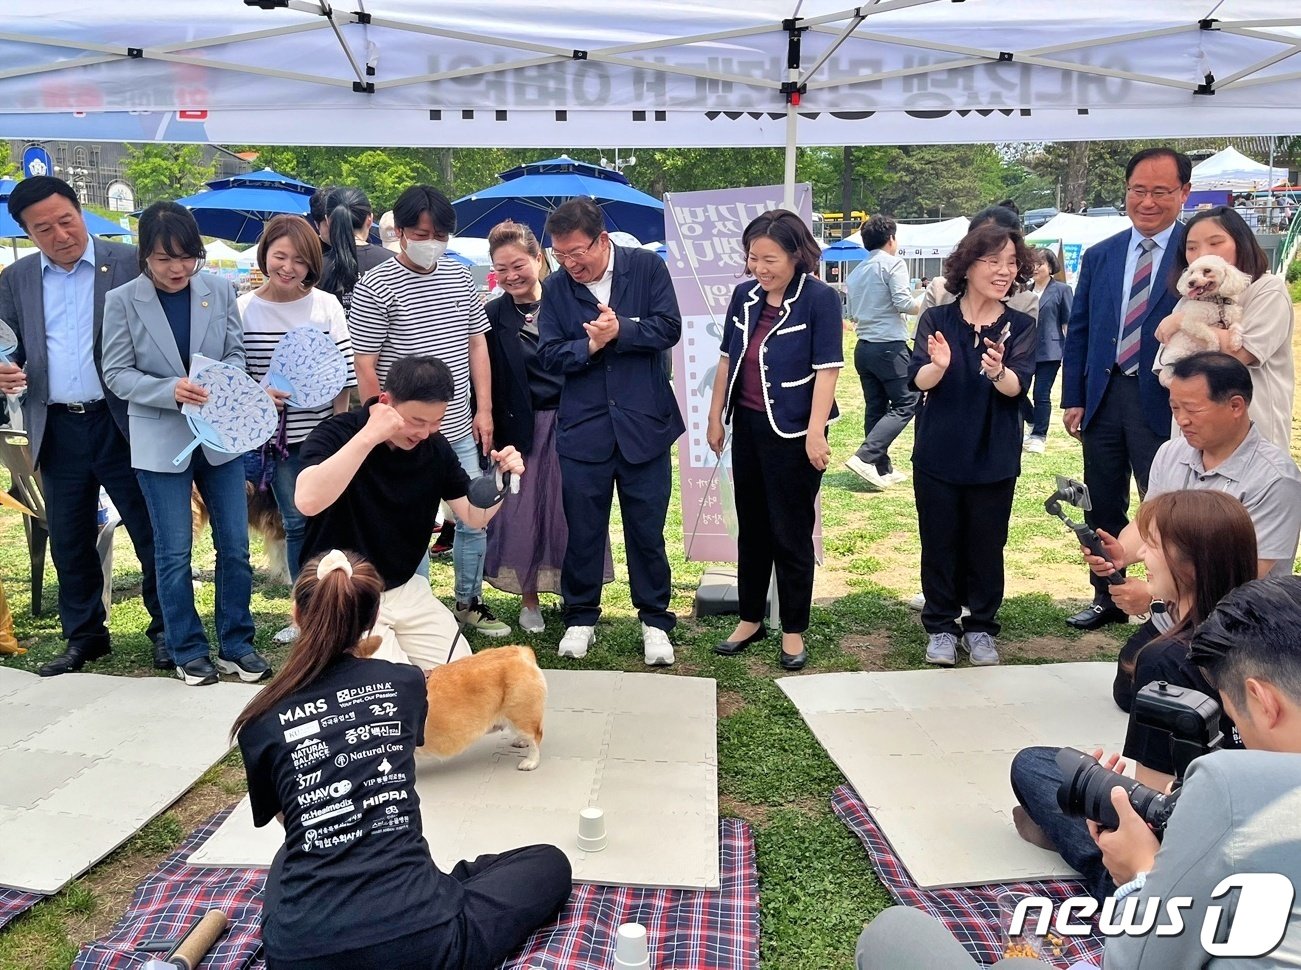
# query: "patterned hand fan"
[[308, 366], [8, 347], [238, 415]]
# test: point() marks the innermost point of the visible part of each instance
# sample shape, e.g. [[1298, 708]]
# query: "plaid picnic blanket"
[[687, 929], [969, 913], [15, 902]]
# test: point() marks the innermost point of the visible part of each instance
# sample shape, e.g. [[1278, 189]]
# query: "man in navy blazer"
[[1113, 401], [77, 428], [606, 323]]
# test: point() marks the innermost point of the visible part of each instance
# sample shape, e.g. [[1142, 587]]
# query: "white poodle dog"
[[1211, 288]]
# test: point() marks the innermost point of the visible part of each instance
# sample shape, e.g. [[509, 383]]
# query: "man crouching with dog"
[[371, 483]]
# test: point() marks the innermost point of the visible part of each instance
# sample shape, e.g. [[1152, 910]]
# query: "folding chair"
[[16, 455]]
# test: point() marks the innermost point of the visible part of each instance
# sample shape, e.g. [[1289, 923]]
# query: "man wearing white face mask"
[[421, 305]]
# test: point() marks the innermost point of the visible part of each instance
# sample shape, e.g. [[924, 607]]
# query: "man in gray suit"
[[54, 300]]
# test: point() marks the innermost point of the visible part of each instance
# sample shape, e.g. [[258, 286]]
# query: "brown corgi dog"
[[496, 688]]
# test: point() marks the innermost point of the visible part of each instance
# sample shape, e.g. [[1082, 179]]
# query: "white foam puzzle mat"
[[87, 759], [641, 747], [929, 752]]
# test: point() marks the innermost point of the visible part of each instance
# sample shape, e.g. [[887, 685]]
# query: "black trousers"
[[1039, 414], [80, 453], [963, 529], [776, 488], [1117, 443], [883, 374], [506, 897], [644, 491]]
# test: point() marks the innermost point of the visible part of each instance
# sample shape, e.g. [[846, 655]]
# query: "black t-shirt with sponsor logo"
[[388, 510], [337, 758]]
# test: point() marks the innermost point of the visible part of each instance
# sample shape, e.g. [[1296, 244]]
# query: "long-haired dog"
[[496, 688], [263, 519], [1211, 288]]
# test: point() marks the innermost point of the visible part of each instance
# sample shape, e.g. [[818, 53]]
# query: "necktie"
[[1139, 291]]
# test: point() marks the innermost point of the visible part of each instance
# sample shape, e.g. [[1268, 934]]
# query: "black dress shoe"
[[163, 657], [1095, 617], [730, 648], [793, 661], [74, 658]]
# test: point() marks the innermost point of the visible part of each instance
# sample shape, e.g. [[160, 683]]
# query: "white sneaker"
[[1034, 445], [656, 646], [530, 620], [941, 650], [868, 473], [576, 640], [896, 476]]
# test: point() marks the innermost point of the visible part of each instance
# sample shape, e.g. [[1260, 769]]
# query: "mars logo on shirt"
[[310, 709]]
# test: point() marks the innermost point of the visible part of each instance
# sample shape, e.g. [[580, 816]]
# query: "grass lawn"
[[816, 888]]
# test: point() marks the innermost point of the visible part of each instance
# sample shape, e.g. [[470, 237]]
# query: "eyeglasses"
[[995, 264], [1157, 195], [576, 255]]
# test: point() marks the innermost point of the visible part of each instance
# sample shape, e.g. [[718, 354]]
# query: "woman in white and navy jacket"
[[782, 350]]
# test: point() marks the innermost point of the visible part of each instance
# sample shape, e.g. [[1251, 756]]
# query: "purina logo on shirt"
[[1249, 925]]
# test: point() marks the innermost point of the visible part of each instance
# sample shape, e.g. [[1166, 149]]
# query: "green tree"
[[166, 171]]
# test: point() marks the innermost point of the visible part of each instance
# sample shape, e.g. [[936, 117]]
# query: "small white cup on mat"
[[630, 949], [591, 829]]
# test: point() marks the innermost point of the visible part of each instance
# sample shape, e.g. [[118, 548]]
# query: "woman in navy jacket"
[[1054, 313], [782, 351]]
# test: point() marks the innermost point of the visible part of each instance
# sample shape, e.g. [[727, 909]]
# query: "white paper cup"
[[630, 949], [591, 829]]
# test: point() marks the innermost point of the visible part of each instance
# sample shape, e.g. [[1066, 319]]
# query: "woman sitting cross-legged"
[[353, 886]]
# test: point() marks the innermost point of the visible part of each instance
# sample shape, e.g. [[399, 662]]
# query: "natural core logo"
[[1251, 926]]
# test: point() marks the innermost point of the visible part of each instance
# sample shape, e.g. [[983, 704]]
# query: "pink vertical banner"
[[702, 236]]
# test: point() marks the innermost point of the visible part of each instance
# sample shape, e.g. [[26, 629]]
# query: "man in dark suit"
[[1113, 401], [54, 300], [606, 323]]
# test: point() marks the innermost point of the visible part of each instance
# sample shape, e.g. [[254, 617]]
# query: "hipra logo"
[[1251, 926]]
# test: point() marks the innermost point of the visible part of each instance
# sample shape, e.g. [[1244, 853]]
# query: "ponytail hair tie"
[[332, 560]]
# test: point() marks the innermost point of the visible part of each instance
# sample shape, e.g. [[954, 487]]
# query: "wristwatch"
[[999, 376]]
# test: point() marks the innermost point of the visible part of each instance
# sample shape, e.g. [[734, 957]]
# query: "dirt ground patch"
[[729, 702], [869, 650], [1064, 650]]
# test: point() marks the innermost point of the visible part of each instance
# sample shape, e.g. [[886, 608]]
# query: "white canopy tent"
[[1233, 171], [1071, 229], [220, 252], [530, 73]]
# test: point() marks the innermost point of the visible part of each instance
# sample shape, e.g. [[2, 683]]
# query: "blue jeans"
[[282, 487], [471, 545], [167, 495], [1035, 780]]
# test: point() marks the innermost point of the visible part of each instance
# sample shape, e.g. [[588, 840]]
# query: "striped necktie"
[[1139, 291]]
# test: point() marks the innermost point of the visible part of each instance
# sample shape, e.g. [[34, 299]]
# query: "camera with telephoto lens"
[[1189, 717]]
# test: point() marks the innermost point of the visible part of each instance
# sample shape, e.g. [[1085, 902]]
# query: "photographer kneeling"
[[1238, 812]]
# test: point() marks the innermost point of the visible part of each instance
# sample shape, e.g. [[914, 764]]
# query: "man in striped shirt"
[[421, 305]]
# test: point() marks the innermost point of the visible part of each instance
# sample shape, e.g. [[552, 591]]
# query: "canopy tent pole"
[[792, 89]]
